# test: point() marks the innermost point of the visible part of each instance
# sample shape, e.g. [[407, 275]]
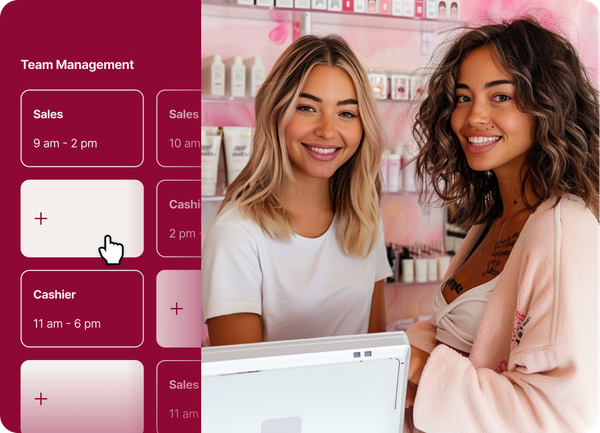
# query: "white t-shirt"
[[302, 289]]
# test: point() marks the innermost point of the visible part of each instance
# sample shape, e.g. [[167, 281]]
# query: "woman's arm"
[[237, 328], [377, 316]]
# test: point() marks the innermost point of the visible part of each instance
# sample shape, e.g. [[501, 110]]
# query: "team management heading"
[[89, 66]]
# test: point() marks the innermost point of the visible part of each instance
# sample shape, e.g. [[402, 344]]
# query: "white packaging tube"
[[408, 270], [421, 270], [211, 148], [444, 264], [238, 144], [432, 269], [393, 172]]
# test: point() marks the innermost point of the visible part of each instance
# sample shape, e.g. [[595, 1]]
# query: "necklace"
[[501, 230]]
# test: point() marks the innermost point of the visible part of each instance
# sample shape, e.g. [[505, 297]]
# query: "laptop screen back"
[[324, 385]]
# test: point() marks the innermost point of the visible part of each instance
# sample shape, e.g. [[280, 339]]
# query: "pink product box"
[[179, 209], [178, 396], [82, 128], [82, 308], [178, 128]]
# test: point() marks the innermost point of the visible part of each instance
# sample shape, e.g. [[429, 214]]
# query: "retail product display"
[[302, 4], [255, 74], [334, 5], [400, 86], [360, 6], [372, 6], [419, 263], [379, 83], [211, 149], [238, 143], [409, 8], [318, 4], [213, 75], [431, 9], [419, 10], [235, 77], [422, 9]]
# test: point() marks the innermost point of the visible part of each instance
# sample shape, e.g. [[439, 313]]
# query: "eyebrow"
[[487, 85], [320, 101]]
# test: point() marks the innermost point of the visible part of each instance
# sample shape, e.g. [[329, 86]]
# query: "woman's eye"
[[304, 108], [462, 98], [347, 114], [501, 98]]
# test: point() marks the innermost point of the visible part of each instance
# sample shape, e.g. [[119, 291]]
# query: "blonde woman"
[[297, 249]]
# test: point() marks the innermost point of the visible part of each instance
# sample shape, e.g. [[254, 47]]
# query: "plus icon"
[[40, 218], [177, 308], [40, 398]]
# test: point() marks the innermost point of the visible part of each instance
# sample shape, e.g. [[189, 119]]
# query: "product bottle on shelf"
[[408, 266], [420, 267], [236, 77], [392, 261], [213, 75], [255, 74]]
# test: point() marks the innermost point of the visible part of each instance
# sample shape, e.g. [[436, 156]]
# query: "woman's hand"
[[418, 359]]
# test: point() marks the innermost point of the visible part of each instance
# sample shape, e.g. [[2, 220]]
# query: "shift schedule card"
[[101, 202]]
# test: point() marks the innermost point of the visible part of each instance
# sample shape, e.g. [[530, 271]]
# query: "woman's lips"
[[322, 153], [481, 144]]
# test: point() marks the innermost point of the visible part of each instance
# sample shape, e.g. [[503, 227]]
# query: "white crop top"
[[458, 321]]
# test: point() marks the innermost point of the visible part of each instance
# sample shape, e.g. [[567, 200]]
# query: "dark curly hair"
[[552, 85]]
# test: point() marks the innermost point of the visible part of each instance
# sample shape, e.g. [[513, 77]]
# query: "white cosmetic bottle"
[[255, 75], [213, 73], [236, 77]]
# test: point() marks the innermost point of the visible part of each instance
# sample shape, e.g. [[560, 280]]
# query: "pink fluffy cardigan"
[[534, 362]]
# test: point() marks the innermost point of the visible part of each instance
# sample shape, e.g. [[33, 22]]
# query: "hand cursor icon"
[[112, 252]]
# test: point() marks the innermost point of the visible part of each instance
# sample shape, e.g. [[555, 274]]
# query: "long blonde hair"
[[355, 187]]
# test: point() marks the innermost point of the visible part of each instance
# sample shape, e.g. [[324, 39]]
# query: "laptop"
[[343, 384]]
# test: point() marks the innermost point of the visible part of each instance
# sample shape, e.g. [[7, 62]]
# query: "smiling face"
[[325, 130], [493, 133]]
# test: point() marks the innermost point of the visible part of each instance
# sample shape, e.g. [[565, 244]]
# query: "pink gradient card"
[[82, 396], [178, 314], [178, 128], [178, 218], [178, 397]]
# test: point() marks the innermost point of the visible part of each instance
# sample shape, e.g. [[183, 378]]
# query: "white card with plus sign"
[[82, 396], [71, 218]]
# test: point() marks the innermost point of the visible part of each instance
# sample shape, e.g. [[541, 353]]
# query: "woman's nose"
[[478, 114], [326, 127]]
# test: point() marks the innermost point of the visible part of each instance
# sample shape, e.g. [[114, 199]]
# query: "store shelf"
[[224, 9]]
